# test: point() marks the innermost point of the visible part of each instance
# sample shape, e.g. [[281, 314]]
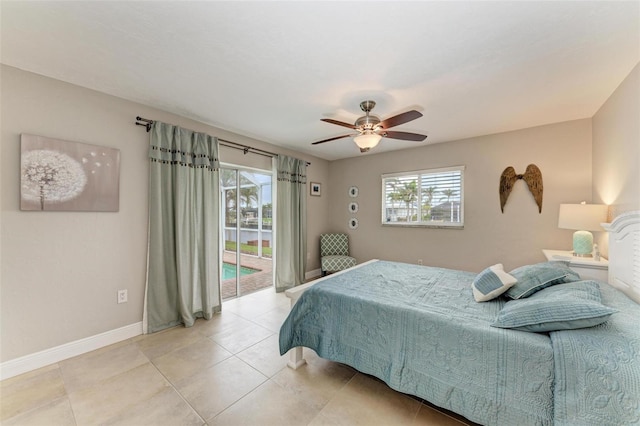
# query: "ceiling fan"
[[371, 129]]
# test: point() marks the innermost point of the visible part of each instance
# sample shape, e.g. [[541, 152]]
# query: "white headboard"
[[624, 254]]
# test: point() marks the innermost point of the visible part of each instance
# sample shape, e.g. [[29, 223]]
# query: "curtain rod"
[[230, 144]]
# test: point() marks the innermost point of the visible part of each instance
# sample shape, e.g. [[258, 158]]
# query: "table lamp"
[[583, 218]]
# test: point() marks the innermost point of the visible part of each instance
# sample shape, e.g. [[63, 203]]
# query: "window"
[[424, 198]]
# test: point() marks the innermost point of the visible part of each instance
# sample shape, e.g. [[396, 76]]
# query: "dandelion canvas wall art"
[[59, 175]]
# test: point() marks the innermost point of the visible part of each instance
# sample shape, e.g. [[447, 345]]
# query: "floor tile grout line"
[[258, 324], [269, 379], [252, 367], [233, 355], [84, 389], [66, 393], [247, 363], [298, 397], [250, 346], [335, 394], [39, 407], [173, 386], [246, 393], [175, 389]]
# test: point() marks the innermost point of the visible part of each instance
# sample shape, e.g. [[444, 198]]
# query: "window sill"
[[421, 225]]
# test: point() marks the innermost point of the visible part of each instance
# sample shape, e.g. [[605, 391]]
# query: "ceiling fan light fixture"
[[371, 129], [367, 140]]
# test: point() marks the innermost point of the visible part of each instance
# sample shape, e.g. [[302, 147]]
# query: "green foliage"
[[247, 249]]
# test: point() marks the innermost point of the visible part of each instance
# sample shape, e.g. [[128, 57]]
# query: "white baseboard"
[[46, 357], [312, 274]]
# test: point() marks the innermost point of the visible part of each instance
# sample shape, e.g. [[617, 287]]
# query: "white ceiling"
[[272, 69]]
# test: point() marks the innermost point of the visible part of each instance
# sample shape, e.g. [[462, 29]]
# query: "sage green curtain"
[[183, 280], [291, 222]]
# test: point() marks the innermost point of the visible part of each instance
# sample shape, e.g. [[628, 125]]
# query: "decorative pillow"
[[532, 278], [562, 307], [491, 283]]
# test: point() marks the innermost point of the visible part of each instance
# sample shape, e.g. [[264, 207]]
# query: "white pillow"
[[491, 283]]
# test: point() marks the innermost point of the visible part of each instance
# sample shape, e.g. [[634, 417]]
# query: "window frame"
[[423, 224]]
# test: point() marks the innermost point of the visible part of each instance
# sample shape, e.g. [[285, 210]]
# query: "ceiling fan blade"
[[404, 136], [339, 123], [331, 139], [399, 119]]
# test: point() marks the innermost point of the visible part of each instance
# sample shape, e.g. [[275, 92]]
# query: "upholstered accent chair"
[[334, 253]]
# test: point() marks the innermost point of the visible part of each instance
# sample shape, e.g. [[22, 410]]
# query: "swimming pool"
[[229, 271]]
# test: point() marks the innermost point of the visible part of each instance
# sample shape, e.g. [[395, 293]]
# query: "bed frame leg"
[[295, 358]]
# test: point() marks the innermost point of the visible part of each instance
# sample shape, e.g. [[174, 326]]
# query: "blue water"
[[229, 271]]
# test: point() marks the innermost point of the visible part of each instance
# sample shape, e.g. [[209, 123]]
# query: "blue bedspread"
[[597, 369], [419, 329]]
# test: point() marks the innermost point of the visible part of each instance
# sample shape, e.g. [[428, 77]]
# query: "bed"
[[420, 330]]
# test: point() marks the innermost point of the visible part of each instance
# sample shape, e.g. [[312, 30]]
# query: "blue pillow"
[[561, 307], [532, 278], [491, 283]]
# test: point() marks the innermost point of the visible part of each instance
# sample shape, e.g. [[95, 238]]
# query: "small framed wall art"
[[315, 188]]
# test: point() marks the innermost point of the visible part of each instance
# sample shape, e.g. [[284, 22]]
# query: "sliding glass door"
[[247, 217]]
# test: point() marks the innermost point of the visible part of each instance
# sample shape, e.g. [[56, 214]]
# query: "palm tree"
[[228, 184], [427, 198], [448, 193], [409, 194], [248, 194]]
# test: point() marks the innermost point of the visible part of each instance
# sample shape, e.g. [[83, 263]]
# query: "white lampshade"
[[367, 140], [583, 217]]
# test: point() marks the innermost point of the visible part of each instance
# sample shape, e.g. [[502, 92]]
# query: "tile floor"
[[226, 371]]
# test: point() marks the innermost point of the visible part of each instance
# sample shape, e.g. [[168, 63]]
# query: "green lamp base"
[[582, 243]]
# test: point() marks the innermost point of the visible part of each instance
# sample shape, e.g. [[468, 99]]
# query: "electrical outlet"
[[419, 261], [122, 296]]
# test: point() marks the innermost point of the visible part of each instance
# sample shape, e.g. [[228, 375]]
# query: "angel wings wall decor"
[[532, 176]]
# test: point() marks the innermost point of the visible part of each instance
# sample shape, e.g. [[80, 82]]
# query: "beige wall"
[[561, 151], [60, 270], [616, 147], [616, 151]]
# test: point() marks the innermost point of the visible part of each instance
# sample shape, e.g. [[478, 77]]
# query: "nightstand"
[[587, 267]]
